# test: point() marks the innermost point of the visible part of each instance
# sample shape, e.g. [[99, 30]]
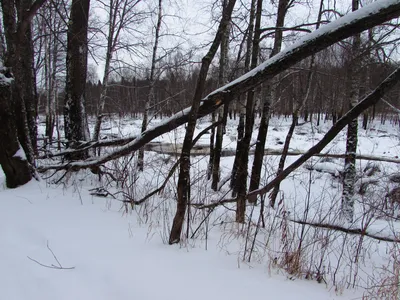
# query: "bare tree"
[[349, 174], [216, 148], [184, 170], [120, 15], [152, 79], [298, 105]]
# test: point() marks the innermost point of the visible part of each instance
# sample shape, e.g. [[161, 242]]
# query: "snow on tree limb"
[[352, 23]]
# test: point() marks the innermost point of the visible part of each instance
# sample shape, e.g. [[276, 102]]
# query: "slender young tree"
[[152, 79], [349, 173], [77, 51], [120, 15], [184, 166], [222, 112]]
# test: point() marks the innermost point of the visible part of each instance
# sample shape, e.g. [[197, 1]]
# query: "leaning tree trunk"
[[77, 50], [184, 171], [349, 174], [12, 157]]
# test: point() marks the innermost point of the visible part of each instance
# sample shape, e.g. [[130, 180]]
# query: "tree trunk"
[[243, 108], [77, 50], [295, 117], [222, 111], [349, 174], [263, 130], [150, 97], [12, 157], [245, 147], [184, 171], [17, 18]]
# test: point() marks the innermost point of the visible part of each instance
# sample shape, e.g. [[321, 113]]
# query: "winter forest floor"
[[59, 241]]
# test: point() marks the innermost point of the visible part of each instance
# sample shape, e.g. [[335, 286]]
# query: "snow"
[[116, 255], [20, 153], [114, 258]]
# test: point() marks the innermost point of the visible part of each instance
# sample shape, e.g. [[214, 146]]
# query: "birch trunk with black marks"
[[152, 79], [184, 166], [349, 173], [52, 57], [77, 50]]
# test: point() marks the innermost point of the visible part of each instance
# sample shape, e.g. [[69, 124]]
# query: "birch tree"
[[349, 173]]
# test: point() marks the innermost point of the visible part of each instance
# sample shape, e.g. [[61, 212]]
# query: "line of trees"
[[323, 74]]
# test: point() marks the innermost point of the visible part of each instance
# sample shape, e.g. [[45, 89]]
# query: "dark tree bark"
[[243, 153], [12, 157], [184, 168], [18, 100], [17, 17], [242, 114], [77, 50]]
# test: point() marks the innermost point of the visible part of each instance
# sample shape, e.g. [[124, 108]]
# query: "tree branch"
[[357, 231]]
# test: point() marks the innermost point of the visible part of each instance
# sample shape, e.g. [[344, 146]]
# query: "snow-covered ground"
[[114, 258], [59, 242]]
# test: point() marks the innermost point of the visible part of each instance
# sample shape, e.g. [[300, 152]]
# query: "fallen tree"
[[348, 25]]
